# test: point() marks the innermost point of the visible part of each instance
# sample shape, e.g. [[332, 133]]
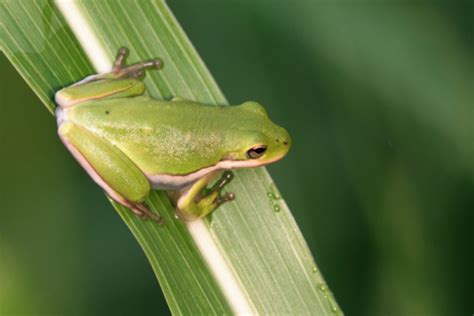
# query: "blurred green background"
[[378, 98]]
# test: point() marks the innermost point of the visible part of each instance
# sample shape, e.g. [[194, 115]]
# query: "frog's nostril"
[[285, 142]]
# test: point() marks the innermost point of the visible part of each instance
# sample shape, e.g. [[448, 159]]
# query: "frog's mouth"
[[248, 163]]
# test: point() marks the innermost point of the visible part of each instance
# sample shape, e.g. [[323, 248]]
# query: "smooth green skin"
[[130, 143]]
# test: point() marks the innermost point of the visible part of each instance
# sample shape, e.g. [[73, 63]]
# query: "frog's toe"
[[226, 197], [144, 212], [120, 59], [224, 180]]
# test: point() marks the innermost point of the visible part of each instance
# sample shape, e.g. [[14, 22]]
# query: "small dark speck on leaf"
[[107, 112]]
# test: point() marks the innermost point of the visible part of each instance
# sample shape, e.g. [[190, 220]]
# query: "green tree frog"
[[130, 143]]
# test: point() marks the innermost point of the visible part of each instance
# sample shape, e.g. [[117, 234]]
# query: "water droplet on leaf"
[[322, 287]]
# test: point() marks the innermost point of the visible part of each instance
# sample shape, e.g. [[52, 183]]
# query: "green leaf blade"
[[256, 234], [175, 261], [33, 38]]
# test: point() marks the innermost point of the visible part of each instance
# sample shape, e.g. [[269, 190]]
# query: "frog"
[[130, 143]]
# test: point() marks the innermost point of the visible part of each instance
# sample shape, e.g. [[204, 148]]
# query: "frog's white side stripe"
[[178, 182], [230, 286]]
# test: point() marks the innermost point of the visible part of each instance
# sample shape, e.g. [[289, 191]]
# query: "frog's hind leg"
[[110, 168], [134, 71], [120, 71], [121, 82]]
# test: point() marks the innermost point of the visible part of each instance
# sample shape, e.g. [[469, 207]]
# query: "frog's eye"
[[256, 151]]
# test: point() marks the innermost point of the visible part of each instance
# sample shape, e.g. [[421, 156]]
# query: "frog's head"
[[258, 140]]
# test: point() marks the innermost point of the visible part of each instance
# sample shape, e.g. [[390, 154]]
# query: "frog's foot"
[[213, 197], [119, 71], [214, 193], [142, 211], [133, 71], [199, 201]]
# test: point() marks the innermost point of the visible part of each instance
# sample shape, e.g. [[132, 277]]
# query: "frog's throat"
[[179, 182]]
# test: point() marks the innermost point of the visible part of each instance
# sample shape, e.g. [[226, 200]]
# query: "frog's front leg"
[[198, 201], [109, 167]]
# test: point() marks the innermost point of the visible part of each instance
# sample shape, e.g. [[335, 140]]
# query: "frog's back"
[[158, 135], [140, 109]]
